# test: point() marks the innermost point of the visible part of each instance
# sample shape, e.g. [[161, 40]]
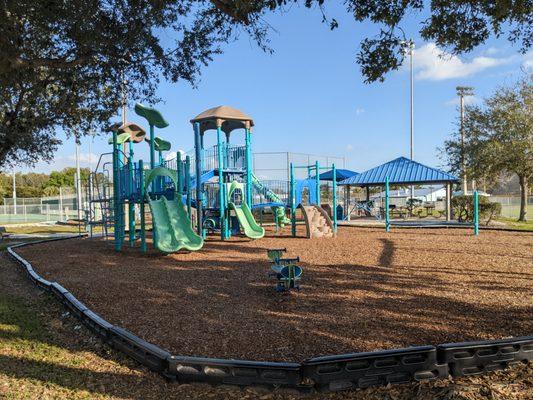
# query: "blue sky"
[[309, 95]]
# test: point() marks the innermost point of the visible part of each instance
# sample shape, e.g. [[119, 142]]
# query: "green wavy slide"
[[172, 227]]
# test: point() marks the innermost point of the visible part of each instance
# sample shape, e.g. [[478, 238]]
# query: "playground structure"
[[215, 190], [209, 190]]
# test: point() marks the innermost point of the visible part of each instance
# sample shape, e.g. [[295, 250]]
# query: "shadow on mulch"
[[362, 291]]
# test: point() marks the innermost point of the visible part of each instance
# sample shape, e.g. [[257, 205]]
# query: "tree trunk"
[[523, 198]]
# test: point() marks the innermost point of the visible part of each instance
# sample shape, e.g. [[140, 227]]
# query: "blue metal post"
[[131, 203], [249, 166], [227, 152], [334, 199], [152, 148], [292, 198], [143, 223], [179, 168], [116, 194], [476, 213], [221, 185], [387, 219], [188, 184], [154, 186], [198, 150], [317, 182], [202, 166]]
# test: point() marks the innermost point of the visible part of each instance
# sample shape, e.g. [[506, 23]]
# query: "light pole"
[[462, 92], [411, 51], [92, 134], [410, 46], [14, 193], [78, 177]]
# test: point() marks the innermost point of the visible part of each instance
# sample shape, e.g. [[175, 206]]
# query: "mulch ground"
[[364, 290]]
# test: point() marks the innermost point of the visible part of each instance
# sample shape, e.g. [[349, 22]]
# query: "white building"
[[426, 194]]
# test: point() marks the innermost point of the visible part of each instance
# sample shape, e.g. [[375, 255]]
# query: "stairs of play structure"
[[318, 223]]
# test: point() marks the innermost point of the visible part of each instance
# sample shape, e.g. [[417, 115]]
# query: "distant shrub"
[[413, 203], [463, 208]]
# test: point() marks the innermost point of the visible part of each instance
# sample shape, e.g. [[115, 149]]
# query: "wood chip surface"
[[364, 290]]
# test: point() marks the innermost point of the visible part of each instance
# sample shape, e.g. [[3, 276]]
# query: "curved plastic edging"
[[330, 373]]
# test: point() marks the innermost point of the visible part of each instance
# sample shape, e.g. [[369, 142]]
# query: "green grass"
[[514, 224], [513, 210], [43, 229], [32, 364]]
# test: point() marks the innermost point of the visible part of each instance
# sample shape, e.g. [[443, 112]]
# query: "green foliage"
[[498, 138], [63, 62], [463, 208], [413, 203], [40, 185]]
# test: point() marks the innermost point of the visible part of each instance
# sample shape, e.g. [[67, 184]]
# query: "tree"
[[64, 62], [498, 138], [63, 178]]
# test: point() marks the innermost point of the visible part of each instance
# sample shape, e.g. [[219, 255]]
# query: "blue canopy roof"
[[400, 171], [342, 174]]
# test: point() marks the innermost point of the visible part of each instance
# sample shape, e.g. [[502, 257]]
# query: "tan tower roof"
[[225, 117]]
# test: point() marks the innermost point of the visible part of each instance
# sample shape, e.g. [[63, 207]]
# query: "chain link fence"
[[276, 165], [511, 205], [40, 209]]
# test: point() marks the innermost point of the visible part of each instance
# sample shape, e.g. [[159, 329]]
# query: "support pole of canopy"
[[131, 203], [143, 221], [188, 184], [387, 219], [116, 195], [334, 212], [249, 166], [227, 152], [202, 166], [198, 161], [179, 180], [348, 209], [221, 185], [152, 148], [448, 201]]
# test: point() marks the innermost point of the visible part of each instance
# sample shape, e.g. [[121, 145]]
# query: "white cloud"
[[349, 147], [359, 111], [63, 161], [431, 63], [468, 100], [492, 51], [85, 158]]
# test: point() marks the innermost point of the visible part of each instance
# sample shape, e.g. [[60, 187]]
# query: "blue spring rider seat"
[[284, 270]]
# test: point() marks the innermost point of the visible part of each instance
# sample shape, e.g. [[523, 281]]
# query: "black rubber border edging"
[[330, 373]]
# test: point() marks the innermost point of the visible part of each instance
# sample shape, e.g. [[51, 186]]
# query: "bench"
[[3, 233]]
